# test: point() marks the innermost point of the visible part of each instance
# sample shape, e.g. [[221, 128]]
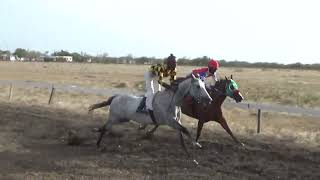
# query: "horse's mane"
[[212, 88], [178, 80]]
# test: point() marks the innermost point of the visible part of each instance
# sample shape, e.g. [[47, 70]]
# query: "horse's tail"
[[102, 104]]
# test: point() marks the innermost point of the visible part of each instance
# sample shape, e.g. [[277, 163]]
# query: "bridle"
[[218, 91]]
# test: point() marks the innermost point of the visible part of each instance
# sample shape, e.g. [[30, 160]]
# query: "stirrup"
[[143, 110], [142, 106]]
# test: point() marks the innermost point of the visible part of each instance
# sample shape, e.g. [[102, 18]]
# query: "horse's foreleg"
[[224, 124], [183, 144], [150, 132], [200, 125], [184, 131], [142, 126]]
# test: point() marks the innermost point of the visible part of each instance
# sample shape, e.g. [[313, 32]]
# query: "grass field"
[[293, 87], [33, 134]]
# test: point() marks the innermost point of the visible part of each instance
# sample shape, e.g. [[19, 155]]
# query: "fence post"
[[11, 92], [259, 121], [51, 94]]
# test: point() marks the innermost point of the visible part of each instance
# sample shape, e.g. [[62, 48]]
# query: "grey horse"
[[166, 105]]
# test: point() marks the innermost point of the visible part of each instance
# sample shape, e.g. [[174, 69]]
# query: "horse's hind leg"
[[102, 131], [105, 128]]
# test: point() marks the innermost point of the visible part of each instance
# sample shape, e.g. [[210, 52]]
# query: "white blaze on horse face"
[[204, 93]]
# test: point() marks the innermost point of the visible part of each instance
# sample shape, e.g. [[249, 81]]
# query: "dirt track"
[[33, 146]]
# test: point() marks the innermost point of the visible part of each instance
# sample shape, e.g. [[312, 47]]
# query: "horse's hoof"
[[149, 134], [142, 127], [95, 130], [195, 162], [197, 145], [243, 146]]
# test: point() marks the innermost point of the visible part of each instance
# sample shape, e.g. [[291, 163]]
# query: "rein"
[[219, 92]]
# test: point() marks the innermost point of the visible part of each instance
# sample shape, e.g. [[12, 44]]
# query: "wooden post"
[[259, 121], [51, 94], [11, 92]]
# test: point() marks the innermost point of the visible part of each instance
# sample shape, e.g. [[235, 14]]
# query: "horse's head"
[[229, 87], [198, 90]]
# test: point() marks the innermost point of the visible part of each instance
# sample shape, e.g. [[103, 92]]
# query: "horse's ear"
[[193, 76], [231, 76]]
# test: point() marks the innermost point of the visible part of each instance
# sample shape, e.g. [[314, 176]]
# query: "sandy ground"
[[34, 136], [33, 145]]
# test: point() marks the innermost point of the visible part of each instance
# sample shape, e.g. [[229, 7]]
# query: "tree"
[[20, 52], [5, 52], [34, 54], [77, 57], [142, 60], [61, 53]]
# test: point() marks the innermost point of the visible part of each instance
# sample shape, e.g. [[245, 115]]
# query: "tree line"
[[129, 59]]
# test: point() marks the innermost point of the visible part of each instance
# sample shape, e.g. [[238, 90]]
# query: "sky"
[[282, 31]]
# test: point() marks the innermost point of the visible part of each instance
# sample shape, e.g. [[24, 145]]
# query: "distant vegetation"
[[129, 59]]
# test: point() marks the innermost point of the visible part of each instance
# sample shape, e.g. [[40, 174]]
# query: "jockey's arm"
[[173, 75], [165, 85], [202, 73], [160, 76]]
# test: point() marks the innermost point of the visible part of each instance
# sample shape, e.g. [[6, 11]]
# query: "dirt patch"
[[34, 144]]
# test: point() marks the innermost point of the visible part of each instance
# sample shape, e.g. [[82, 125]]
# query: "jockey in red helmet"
[[205, 72]]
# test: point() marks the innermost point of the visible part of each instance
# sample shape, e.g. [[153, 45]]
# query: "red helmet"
[[213, 64]]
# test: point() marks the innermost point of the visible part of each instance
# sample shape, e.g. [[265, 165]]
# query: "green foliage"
[[61, 53], [34, 54], [200, 61], [5, 52], [20, 52]]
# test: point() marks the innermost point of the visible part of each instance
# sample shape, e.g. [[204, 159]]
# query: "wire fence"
[[52, 88]]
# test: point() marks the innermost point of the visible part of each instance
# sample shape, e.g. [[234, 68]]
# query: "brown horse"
[[213, 112]]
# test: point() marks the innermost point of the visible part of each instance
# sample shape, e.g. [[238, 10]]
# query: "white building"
[[63, 58], [13, 58]]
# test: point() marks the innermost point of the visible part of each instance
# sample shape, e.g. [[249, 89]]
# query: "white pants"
[[150, 91]]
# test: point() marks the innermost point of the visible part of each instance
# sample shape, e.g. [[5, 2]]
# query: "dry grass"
[[260, 85], [30, 129], [293, 87]]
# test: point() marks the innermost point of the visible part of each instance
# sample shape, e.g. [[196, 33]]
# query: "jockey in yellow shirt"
[[157, 72]]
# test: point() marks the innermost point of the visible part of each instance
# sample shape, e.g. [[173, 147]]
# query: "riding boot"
[[141, 107], [152, 117]]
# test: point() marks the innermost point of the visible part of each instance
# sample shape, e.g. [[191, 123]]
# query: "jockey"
[[205, 72], [166, 69]]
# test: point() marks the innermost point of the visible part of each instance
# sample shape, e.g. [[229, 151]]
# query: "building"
[[57, 59], [13, 58], [4, 57], [63, 58]]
